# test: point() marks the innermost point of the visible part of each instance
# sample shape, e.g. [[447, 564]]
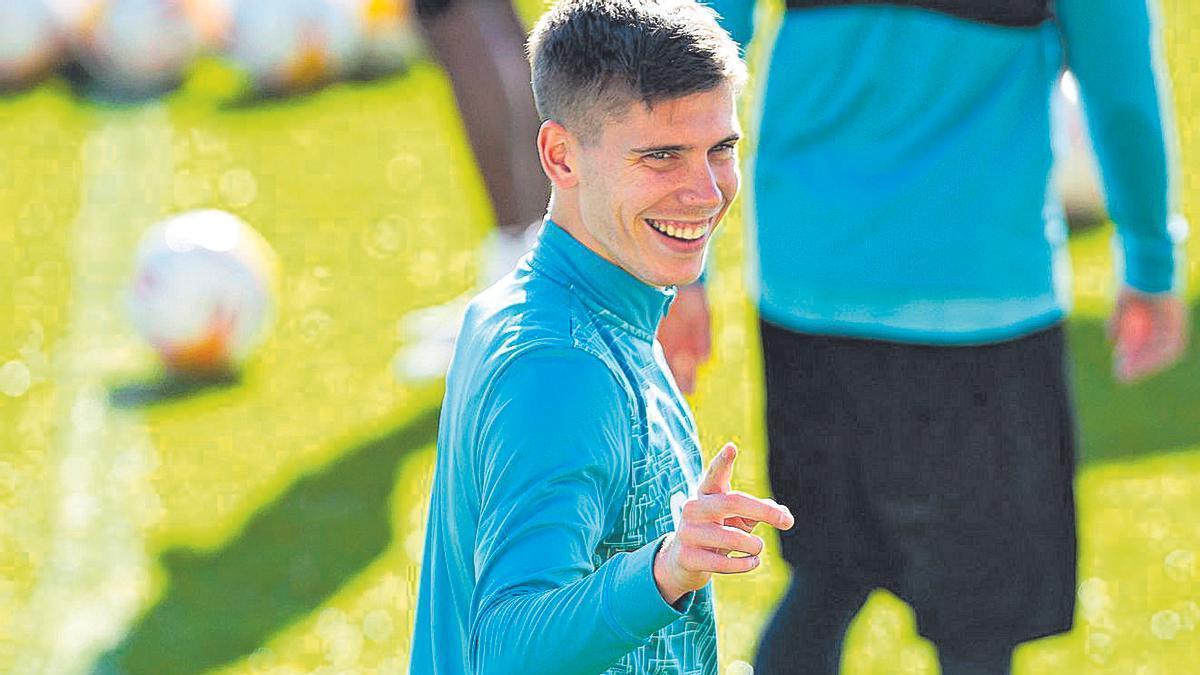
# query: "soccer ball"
[[31, 42], [291, 45], [136, 47], [388, 39], [203, 291]]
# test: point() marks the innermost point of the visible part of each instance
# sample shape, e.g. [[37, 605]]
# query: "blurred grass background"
[[275, 525]]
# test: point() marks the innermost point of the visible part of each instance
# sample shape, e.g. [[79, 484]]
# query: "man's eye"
[[724, 148], [660, 156]]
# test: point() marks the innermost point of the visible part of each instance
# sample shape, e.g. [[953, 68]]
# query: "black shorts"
[[944, 474]]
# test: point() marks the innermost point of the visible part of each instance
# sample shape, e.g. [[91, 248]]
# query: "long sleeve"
[[1113, 49], [553, 461]]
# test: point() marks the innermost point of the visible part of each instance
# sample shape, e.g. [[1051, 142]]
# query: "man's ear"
[[558, 152]]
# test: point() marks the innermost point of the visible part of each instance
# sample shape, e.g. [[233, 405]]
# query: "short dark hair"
[[591, 58]]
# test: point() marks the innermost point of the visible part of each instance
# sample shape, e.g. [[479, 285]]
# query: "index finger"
[[717, 478], [740, 505]]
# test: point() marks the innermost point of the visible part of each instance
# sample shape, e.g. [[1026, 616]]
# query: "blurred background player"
[[912, 286], [481, 44]]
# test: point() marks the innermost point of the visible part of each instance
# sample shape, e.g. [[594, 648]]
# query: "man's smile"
[[681, 230]]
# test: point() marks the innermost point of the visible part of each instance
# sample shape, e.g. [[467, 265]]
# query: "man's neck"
[[566, 214], [568, 217]]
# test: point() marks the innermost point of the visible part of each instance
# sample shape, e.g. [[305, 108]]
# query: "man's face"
[[654, 186]]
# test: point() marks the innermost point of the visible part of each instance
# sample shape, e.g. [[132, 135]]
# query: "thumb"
[[717, 478]]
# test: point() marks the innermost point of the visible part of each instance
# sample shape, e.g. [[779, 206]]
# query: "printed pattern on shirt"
[[665, 437]]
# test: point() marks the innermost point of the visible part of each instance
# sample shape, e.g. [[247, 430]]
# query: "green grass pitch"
[[275, 525]]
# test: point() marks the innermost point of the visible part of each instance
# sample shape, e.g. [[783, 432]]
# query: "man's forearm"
[[582, 627], [1113, 48]]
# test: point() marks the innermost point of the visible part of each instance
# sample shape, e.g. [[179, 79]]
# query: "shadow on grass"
[[162, 389], [1120, 421], [87, 89], [250, 98], [292, 555], [295, 553]]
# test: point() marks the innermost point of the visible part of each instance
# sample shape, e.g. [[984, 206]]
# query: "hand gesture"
[[1149, 333], [714, 528]]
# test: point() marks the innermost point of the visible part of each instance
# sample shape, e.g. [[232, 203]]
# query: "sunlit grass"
[[368, 194]]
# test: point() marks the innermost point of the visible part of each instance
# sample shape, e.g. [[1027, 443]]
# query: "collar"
[[617, 294]]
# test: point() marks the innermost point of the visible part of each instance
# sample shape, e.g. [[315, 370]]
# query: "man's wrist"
[[666, 588]]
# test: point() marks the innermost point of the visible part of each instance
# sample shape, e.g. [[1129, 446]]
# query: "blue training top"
[[901, 184], [565, 452]]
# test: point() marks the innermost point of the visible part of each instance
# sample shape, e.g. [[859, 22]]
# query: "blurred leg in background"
[[977, 659], [821, 609], [481, 44]]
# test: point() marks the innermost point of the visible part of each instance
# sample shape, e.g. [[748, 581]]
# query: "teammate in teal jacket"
[[902, 183], [570, 529], [910, 266]]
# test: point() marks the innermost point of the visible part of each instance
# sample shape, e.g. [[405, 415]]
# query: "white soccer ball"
[[136, 47], [291, 45], [31, 42], [203, 291]]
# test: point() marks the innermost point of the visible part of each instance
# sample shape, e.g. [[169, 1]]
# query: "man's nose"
[[702, 188]]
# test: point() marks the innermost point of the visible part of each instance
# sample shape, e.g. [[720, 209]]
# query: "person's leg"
[[982, 659], [834, 550], [481, 44], [806, 633]]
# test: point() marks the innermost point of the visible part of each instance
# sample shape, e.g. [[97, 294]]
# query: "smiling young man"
[[570, 529]]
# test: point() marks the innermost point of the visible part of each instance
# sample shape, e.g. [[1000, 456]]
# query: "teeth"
[[679, 232]]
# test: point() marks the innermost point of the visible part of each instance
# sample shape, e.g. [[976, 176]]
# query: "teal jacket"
[[901, 183], [564, 454]]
